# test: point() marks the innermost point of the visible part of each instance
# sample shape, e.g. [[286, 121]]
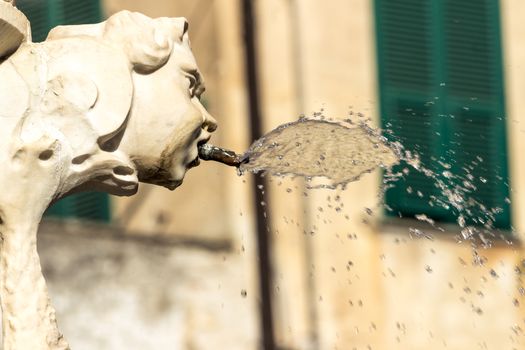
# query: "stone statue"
[[100, 106]]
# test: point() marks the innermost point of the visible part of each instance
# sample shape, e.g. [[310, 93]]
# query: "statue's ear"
[[75, 94], [14, 29], [146, 44]]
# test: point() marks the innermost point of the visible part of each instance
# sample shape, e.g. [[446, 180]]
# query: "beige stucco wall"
[[513, 30], [122, 292], [379, 288], [356, 281]]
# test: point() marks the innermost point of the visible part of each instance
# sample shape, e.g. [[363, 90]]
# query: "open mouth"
[[194, 162]]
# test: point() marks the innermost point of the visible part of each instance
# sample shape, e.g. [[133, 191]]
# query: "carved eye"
[[193, 82], [196, 87]]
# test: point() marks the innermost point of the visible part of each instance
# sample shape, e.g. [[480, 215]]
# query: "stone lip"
[[14, 29]]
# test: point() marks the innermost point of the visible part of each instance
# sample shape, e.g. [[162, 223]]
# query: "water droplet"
[[477, 310], [461, 223], [428, 269], [447, 174], [423, 217]]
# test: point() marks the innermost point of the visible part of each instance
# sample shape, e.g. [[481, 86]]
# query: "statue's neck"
[[28, 317]]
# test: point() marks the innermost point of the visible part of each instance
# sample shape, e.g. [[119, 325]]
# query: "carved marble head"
[[101, 106]]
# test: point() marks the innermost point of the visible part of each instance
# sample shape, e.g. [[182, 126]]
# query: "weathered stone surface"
[[98, 106]]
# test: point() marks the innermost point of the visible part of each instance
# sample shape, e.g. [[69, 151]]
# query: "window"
[[44, 15], [441, 95], [88, 205]]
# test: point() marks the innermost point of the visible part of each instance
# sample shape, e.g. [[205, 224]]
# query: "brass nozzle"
[[210, 152]]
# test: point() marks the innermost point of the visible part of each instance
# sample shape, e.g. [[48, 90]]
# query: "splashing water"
[[343, 151], [456, 193], [314, 148]]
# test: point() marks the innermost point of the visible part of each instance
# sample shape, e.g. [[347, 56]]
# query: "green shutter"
[[409, 82], [39, 16], [441, 93], [88, 206], [472, 50], [412, 124], [475, 98], [81, 12], [406, 46], [44, 15]]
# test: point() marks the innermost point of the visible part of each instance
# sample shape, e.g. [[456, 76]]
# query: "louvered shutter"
[[475, 100], [39, 16], [89, 206], [408, 81], [81, 11], [441, 95], [44, 15]]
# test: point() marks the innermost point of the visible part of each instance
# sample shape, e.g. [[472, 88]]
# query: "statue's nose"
[[210, 124]]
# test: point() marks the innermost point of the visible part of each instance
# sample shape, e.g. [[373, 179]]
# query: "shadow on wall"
[[113, 291]]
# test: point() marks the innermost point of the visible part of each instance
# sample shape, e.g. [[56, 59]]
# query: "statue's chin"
[[169, 172], [170, 184]]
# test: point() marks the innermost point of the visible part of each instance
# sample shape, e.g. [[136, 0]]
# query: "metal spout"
[[224, 156]]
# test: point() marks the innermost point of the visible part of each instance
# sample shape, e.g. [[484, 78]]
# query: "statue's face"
[[167, 120]]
